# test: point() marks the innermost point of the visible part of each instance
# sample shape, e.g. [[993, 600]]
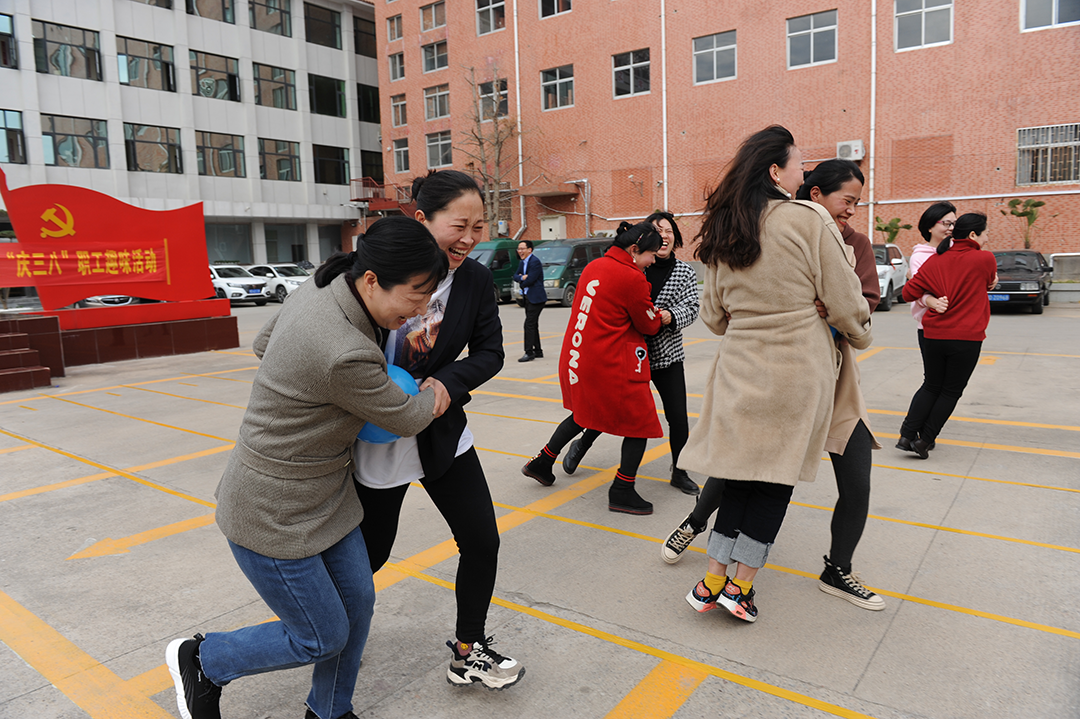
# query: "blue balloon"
[[377, 435]]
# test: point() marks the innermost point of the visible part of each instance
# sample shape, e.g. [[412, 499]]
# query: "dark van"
[[499, 256], [564, 261]]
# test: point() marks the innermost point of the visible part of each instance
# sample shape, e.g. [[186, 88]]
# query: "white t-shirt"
[[382, 466]]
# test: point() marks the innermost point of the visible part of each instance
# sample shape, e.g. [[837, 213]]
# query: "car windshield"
[[553, 255], [290, 271], [483, 256], [1017, 261], [232, 272], [881, 253]]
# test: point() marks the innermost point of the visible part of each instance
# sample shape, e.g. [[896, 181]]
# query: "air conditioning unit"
[[850, 150], [503, 228]]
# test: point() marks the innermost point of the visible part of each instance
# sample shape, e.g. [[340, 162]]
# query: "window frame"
[[290, 153], [615, 69], [498, 97], [171, 145], [555, 4], [339, 99], [714, 51], [444, 141], [288, 85], [311, 22], [204, 140], [91, 53], [285, 24], [368, 104], [198, 60], [557, 83], [1043, 162], [396, 68], [1054, 12], [365, 43], [434, 56], [437, 102], [397, 102], [401, 151], [371, 165], [491, 8], [98, 137], [394, 28], [167, 70], [435, 23], [950, 4], [228, 11], [340, 163], [14, 145], [811, 32], [9, 47]]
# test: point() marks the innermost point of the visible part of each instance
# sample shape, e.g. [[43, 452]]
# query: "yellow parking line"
[[991, 351], [1001, 447], [81, 678], [978, 479], [193, 399], [557, 400], [524, 379], [127, 386], [978, 420], [868, 353], [661, 693], [505, 416], [139, 419], [32, 409], [20, 448], [547, 377]]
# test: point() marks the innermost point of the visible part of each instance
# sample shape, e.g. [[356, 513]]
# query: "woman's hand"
[[442, 397], [993, 282], [665, 317], [937, 304], [820, 307]]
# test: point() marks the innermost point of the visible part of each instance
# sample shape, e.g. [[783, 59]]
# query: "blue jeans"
[[324, 605]]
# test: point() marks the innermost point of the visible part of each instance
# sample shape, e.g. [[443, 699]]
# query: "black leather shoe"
[[538, 355], [526, 358], [921, 447], [931, 445], [574, 456], [539, 468], [904, 444], [681, 480]]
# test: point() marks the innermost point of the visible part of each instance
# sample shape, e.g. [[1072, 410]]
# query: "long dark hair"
[[732, 227], [969, 222], [396, 249], [663, 215], [643, 234], [439, 188], [932, 216], [828, 177]]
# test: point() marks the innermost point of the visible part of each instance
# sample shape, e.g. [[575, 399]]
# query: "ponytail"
[[396, 250], [643, 234]]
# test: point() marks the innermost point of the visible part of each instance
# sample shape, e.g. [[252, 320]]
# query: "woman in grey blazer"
[[286, 502]]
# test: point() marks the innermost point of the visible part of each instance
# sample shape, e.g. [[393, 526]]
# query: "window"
[[1048, 154], [435, 56], [920, 23], [631, 72], [145, 64], [493, 99], [432, 16], [368, 99], [220, 155], [272, 16], [67, 51], [371, 165], [331, 164], [714, 57], [74, 141], [275, 87], [490, 16], [397, 66], [553, 7], [557, 86], [279, 160], [152, 149], [327, 95], [13, 149], [212, 9], [1048, 13], [401, 155], [364, 37], [398, 117], [393, 28], [9, 55], [215, 76], [811, 39], [323, 26], [436, 102], [158, 3], [439, 151]]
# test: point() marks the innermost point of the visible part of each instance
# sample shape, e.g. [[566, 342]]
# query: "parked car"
[[107, 301], [1024, 278], [234, 283], [892, 269], [564, 261], [281, 279], [500, 256]]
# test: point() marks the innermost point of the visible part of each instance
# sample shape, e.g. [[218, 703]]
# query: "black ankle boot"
[[623, 497], [681, 481], [539, 468]]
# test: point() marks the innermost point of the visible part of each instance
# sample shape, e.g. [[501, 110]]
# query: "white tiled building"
[[261, 109]]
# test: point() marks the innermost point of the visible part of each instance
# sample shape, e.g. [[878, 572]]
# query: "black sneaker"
[[847, 586], [904, 444], [625, 499], [484, 665], [739, 604], [196, 696], [681, 480], [312, 715], [700, 599], [539, 468], [921, 447], [678, 541], [574, 455]]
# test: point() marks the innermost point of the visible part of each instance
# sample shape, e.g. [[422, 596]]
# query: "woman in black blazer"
[[462, 313]]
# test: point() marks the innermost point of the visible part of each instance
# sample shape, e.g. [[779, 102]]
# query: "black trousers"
[[633, 448], [532, 328], [462, 497], [947, 367]]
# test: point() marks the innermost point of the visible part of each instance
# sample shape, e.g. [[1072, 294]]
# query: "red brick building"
[[625, 106]]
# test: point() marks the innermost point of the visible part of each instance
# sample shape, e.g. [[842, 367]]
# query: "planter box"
[[1062, 294]]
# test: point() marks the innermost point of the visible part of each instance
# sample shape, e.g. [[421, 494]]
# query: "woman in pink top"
[[935, 225]]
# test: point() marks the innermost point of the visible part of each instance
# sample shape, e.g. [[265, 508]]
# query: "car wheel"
[[568, 296], [220, 293], [1046, 298], [1037, 307], [260, 303], [281, 294], [900, 296], [498, 295], [886, 299]]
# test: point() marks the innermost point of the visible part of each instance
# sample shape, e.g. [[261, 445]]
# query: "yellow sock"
[[714, 583], [744, 585]]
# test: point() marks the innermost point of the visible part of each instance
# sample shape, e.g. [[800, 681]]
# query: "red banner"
[[75, 243]]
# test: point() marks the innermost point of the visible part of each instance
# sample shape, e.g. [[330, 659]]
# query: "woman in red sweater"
[[953, 338]]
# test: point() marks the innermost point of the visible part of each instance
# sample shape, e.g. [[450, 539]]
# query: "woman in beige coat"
[[769, 396]]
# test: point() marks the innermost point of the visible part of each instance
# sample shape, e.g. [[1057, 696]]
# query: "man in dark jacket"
[[530, 276]]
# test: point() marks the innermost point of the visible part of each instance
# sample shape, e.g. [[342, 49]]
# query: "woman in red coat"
[[604, 363]]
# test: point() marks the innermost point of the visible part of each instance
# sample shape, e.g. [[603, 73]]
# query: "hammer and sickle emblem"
[[66, 226]]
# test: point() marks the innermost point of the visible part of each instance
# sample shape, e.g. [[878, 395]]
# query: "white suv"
[[281, 279], [234, 283], [892, 269]]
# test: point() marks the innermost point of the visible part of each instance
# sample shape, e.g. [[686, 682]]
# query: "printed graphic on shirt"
[[416, 338]]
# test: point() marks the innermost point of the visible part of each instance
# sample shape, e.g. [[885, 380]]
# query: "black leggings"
[[947, 367], [852, 470], [463, 498], [633, 448]]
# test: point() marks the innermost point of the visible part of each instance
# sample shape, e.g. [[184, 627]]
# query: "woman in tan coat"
[[769, 396]]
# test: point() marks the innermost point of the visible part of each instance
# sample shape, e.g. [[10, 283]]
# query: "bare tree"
[[489, 143]]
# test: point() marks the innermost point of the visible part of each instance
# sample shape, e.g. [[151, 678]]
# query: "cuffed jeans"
[[324, 605], [748, 520]]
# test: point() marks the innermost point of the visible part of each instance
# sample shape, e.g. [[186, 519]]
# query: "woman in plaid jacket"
[[674, 291]]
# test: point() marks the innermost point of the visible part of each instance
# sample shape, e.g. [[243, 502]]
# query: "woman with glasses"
[[673, 289]]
